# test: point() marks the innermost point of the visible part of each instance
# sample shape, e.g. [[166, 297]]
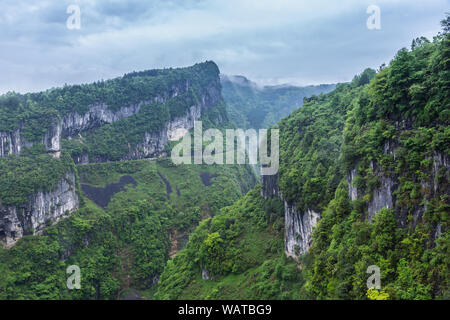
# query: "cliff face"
[[43, 208], [299, 228], [14, 142], [173, 130], [298, 225], [154, 142], [97, 115], [72, 124], [11, 143], [384, 195]]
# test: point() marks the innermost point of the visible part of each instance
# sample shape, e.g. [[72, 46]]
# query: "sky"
[[270, 42]]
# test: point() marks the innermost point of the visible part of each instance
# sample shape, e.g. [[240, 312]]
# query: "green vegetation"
[[310, 144], [391, 124], [387, 125], [112, 142], [36, 110], [396, 129], [242, 248], [22, 176], [127, 244]]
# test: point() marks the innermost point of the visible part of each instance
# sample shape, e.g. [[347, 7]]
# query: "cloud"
[[302, 42]]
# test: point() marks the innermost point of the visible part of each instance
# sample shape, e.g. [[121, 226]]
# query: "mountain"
[[252, 106], [85, 180], [127, 118], [363, 182]]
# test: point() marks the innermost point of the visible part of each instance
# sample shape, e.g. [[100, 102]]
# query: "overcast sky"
[[270, 42]]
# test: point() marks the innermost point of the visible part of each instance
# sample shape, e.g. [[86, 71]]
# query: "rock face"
[[14, 142], [205, 274], [68, 126], [269, 186], [299, 228], [298, 225], [46, 207], [154, 142], [352, 190], [10, 143], [97, 115], [43, 208], [384, 195]]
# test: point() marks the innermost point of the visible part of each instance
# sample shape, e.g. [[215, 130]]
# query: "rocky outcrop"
[[298, 225], [72, 124], [97, 115], [14, 142], [269, 186], [178, 127], [42, 209], [68, 126], [383, 196], [154, 142], [205, 274], [298, 229], [352, 190], [10, 143], [45, 207]]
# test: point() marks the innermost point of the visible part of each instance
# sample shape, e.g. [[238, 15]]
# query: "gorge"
[[86, 179]]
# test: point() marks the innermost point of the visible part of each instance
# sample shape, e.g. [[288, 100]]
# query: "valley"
[[87, 179]]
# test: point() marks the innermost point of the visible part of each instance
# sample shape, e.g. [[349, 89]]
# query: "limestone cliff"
[[298, 225], [14, 142], [384, 195], [42, 209]]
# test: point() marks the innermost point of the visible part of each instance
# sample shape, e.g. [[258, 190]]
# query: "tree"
[[446, 23]]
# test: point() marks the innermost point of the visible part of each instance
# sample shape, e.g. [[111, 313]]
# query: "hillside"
[[364, 180], [124, 244]]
